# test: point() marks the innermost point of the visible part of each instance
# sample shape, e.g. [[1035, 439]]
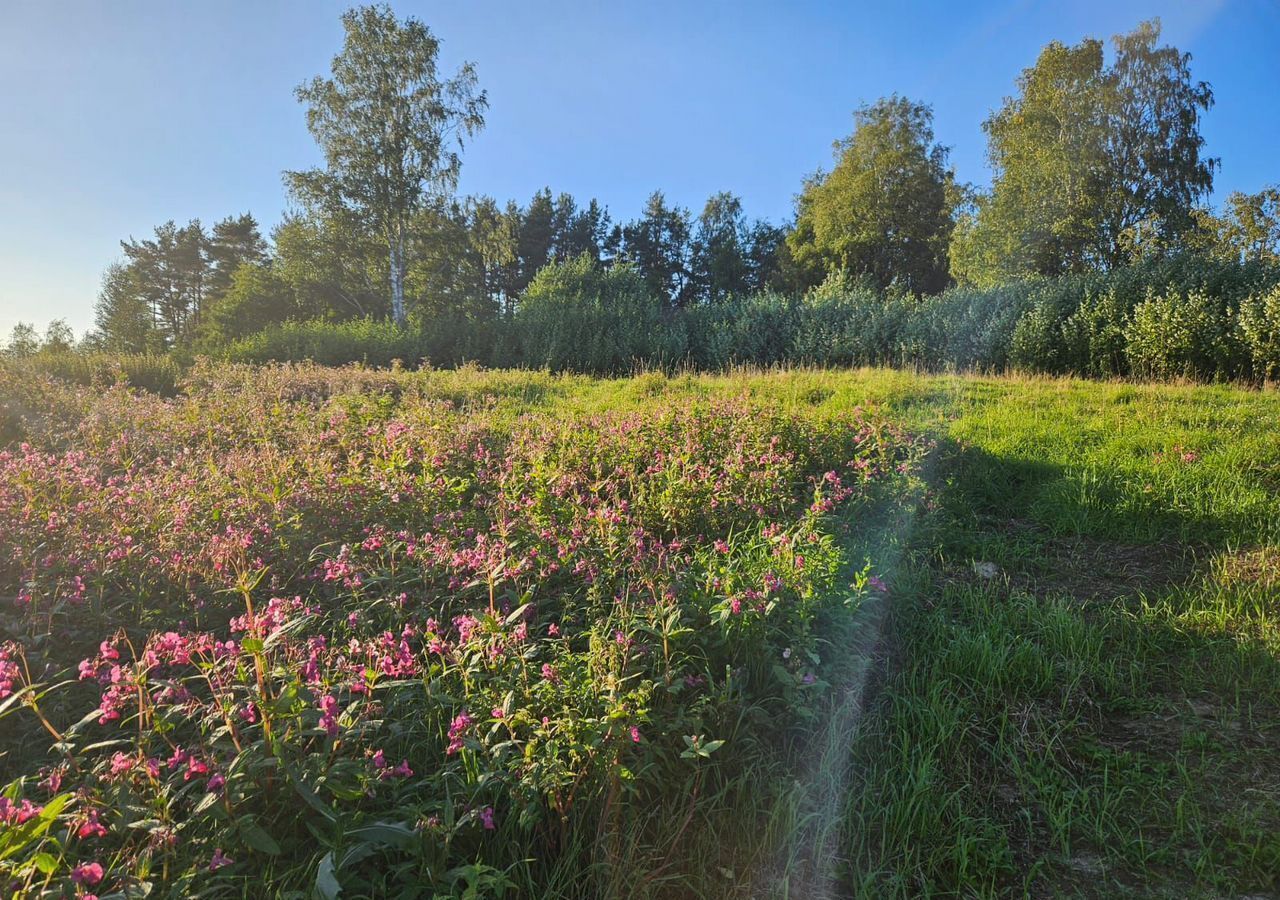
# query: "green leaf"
[[327, 886], [304, 790], [208, 800], [391, 834], [7, 705], [516, 614], [256, 838], [45, 862]]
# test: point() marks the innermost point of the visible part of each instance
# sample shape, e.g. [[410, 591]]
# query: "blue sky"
[[117, 116]]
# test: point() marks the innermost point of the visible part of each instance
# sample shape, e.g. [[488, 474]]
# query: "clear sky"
[[116, 116]]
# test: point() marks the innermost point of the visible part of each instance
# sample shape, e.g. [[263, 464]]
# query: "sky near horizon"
[[116, 117]]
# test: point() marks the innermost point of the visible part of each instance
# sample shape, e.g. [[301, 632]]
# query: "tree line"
[[1098, 164]]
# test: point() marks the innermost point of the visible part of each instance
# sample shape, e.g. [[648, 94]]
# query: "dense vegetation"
[[1181, 318], [1093, 251], [361, 631], [332, 629], [466, 619]]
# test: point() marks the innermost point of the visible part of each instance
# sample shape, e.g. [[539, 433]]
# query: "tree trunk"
[[397, 278]]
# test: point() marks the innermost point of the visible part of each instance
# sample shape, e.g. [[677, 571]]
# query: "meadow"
[[305, 631]]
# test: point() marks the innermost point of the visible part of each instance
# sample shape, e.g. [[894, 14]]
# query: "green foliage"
[[657, 245], [1183, 335], [885, 210], [155, 372], [439, 341], [390, 128], [582, 317], [161, 296], [755, 330], [23, 341], [1260, 329], [1095, 165], [1253, 225], [256, 297]]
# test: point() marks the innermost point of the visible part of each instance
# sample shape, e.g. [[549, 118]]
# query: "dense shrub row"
[[1186, 317], [324, 631], [155, 372]]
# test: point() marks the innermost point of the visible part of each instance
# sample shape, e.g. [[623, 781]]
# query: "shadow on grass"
[[1095, 717], [1135, 506]]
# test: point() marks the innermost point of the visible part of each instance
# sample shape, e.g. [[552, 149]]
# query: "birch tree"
[[391, 130]]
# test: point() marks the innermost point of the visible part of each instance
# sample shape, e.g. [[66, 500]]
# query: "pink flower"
[[91, 827], [486, 817], [457, 728], [497, 712], [329, 718], [553, 629], [18, 813], [550, 674], [87, 873], [195, 768], [218, 860], [216, 783], [402, 770], [635, 734], [53, 780]]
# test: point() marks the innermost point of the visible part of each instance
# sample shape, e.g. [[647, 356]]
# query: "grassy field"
[[1077, 689], [1081, 696], [1070, 687]]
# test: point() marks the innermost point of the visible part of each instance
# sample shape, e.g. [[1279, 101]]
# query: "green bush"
[[843, 322], [1190, 335], [964, 329], [440, 341], [1260, 330], [1093, 337], [579, 316], [154, 372], [1180, 317]]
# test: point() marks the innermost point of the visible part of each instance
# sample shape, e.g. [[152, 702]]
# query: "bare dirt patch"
[[1085, 568], [1259, 566], [1091, 569]]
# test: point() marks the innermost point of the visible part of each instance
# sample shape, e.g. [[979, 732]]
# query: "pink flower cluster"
[[10, 673], [19, 813], [457, 728]]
